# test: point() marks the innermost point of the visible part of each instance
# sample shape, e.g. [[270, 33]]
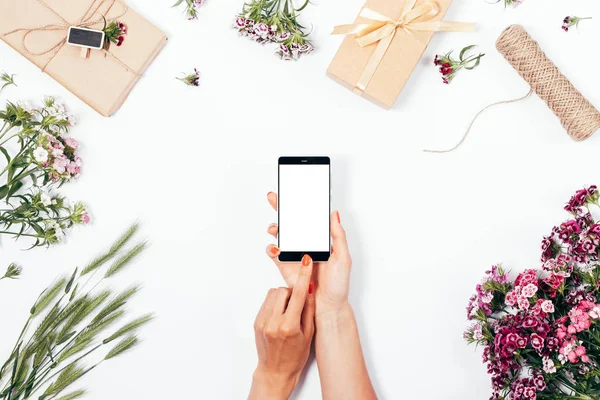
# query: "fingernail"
[[311, 288], [306, 260], [268, 194], [338, 215], [270, 227], [274, 250]]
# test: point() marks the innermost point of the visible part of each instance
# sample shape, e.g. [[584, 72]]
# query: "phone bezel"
[[296, 256]]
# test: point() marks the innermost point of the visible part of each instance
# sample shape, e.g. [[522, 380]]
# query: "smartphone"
[[84, 37], [304, 208]]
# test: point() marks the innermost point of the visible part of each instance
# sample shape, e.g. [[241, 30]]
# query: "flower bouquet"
[[39, 156], [541, 332], [275, 21]]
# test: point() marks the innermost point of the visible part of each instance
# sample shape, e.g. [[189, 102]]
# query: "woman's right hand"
[[284, 330], [332, 277]]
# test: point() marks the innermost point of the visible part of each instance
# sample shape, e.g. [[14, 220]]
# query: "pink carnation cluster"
[[57, 155], [541, 332], [291, 46], [580, 235]]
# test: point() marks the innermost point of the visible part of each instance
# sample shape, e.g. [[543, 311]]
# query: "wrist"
[[271, 386], [328, 312]]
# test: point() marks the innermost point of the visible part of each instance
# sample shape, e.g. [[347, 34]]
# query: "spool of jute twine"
[[579, 118]]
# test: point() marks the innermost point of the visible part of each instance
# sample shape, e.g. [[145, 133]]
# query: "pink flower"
[[73, 168], [539, 382], [240, 22], [72, 143], [585, 359], [530, 393], [60, 164], [261, 29], [537, 342], [554, 281], [510, 299], [85, 218], [283, 36], [530, 322], [573, 357], [588, 246], [523, 303]]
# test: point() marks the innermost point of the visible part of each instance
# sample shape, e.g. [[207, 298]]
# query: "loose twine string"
[[85, 22], [577, 115]]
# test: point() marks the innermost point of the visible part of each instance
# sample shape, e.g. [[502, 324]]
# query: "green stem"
[[25, 147], [16, 233], [3, 131], [42, 383], [9, 138]]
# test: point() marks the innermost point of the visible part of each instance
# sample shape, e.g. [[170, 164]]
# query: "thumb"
[[308, 313], [338, 234]]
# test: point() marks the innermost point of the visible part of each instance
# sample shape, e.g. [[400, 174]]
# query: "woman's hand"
[[284, 329], [332, 277]]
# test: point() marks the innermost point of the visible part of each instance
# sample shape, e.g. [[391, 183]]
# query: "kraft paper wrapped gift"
[[384, 45], [38, 29]]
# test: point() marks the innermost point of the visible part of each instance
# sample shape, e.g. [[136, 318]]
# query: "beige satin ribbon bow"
[[380, 29]]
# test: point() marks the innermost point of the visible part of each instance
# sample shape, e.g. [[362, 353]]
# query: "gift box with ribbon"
[[384, 45], [103, 79]]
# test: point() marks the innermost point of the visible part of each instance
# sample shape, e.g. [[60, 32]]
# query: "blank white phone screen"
[[303, 207]]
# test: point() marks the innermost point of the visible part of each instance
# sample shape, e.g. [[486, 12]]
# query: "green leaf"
[[3, 191], [5, 152], [14, 188], [178, 3], [68, 287], [477, 61], [306, 3], [463, 51]]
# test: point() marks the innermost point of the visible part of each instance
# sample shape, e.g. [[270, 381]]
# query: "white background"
[[304, 207], [195, 165]]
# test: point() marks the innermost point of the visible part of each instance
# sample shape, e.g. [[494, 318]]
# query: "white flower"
[[529, 290], [488, 297], [40, 154], [58, 231], [26, 106], [46, 200], [474, 310], [547, 306], [57, 152], [588, 268], [549, 367], [595, 313]]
